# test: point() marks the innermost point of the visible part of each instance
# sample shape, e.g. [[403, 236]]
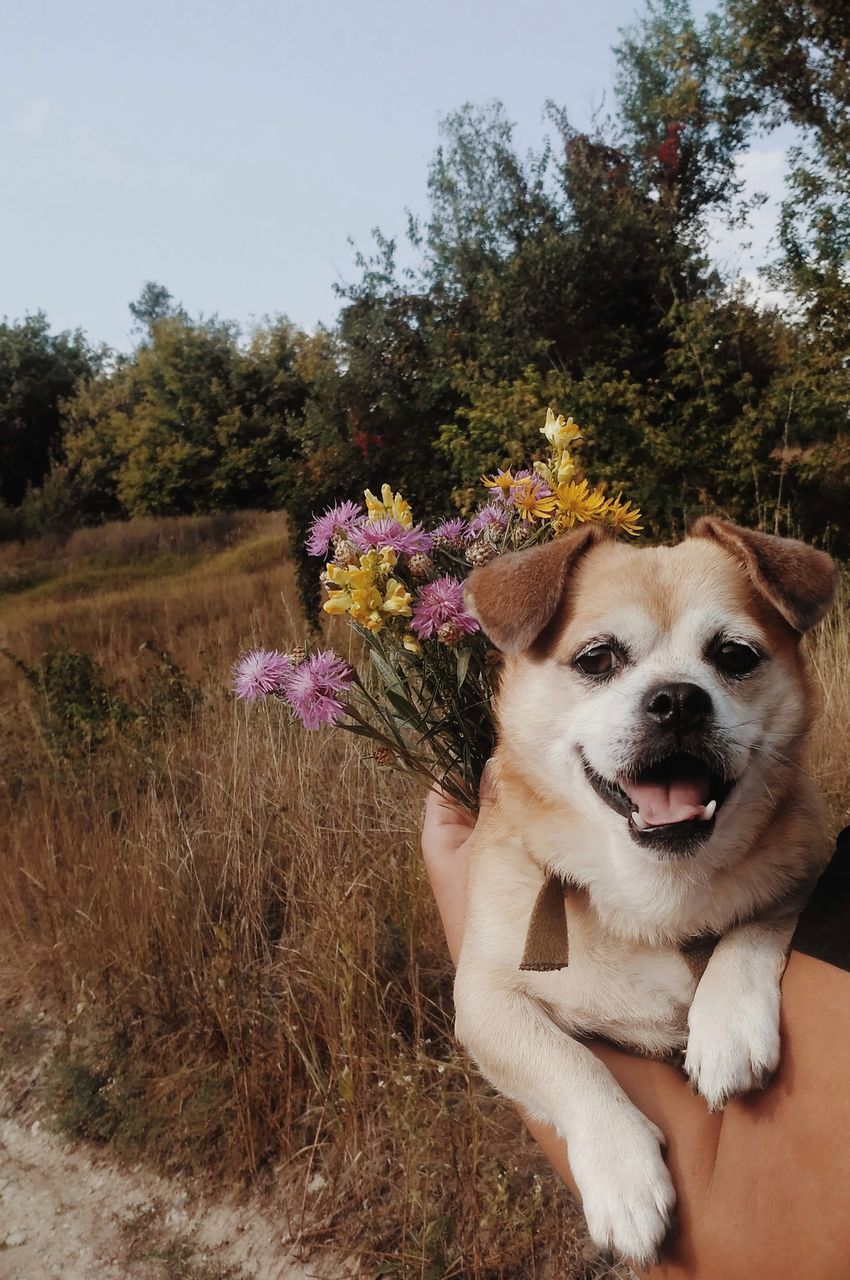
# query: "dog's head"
[[650, 687]]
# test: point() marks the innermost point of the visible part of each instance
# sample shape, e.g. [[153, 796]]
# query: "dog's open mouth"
[[671, 803]]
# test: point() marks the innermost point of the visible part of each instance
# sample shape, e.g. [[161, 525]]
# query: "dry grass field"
[[227, 916]]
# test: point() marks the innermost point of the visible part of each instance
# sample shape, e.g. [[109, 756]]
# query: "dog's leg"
[[733, 1040], [614, 1151]]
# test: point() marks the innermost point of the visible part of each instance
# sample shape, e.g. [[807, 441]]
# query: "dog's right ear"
[[517, 595]]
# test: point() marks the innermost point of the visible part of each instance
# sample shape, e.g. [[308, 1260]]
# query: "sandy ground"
[[76, 1214]]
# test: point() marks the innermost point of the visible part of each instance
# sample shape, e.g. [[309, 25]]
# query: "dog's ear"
[[516, 595], [798, 580]]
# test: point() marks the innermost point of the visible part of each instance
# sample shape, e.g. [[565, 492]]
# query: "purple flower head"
[[438, 602], [452, 530], [493, 516], [259, 673], [389, 533], [310, 687], [336, 522]]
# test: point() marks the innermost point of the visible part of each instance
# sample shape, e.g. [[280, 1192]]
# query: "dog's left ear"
[[798, 580]]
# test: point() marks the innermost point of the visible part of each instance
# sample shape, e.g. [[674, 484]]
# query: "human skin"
[[763, 1187]]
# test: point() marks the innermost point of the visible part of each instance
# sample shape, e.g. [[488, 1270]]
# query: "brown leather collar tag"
[[547, 944]]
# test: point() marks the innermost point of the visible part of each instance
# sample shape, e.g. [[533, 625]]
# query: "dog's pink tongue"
[[660, 803]]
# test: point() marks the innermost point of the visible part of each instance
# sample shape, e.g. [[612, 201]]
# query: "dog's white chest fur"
[[631, 993]]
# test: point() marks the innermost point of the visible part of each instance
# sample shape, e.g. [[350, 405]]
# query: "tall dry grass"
[[143, 537], [829, 654], [229, 913]]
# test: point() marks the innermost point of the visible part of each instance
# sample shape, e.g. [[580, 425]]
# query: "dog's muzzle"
[[669, 800]]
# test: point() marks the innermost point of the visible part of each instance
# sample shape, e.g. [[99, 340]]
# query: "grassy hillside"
[[228, 916]]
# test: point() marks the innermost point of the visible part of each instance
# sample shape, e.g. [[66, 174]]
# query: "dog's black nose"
[[679, 707]]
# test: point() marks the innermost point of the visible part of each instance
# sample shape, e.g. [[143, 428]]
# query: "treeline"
[[576, 275]]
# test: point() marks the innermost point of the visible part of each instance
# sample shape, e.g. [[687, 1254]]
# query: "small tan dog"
[[654, 838]]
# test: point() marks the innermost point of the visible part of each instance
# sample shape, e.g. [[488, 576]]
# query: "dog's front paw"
[[733, 1041], [626, 1191]]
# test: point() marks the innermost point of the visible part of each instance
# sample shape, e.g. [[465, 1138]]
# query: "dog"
[[654, 838]]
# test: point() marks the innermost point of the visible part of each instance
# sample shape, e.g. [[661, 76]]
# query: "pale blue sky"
[[228, 150]]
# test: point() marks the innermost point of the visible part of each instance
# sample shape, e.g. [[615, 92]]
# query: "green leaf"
[[405, 709], [463, 657], [389, 676], [362, 731]]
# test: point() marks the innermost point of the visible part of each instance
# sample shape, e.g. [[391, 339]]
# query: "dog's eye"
[[597, 660], [734, 658]]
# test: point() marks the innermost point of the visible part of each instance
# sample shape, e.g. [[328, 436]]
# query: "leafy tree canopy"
[[39, 371]]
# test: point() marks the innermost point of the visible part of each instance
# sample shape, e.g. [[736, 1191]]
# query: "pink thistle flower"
[[259, 673], [336, 522], [389, 533], [310, 689], [492, 517], [451, 530], [439, 602]]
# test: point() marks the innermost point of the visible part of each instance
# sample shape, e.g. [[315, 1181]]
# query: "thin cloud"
[[93, 155], [36, 118]]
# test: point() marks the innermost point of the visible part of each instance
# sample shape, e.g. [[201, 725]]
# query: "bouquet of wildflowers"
[[423, 699]]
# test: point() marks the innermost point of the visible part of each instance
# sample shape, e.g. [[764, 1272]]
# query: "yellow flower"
[[337, 574], [502, 480], [359, 590], [559, 433], [577, 502], [397, 601], [390, 506], [410, 642], [558, 470], [367, 608], [622, 516], [545, 472], [566, 467], [337, 602], [528, 501], [374, 564]]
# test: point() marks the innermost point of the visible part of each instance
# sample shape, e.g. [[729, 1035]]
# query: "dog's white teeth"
[[638, 821], [709, 811]]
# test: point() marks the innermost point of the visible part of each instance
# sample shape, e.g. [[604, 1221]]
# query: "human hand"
[[447, 831]]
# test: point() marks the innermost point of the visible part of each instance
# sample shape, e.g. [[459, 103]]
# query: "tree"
[[191, 422], [791, 62], [794, 60], [580, 280], [38, 372], [153, 304], [684, 124]]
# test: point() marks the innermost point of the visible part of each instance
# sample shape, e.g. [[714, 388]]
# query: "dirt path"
[[77, 1214]]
